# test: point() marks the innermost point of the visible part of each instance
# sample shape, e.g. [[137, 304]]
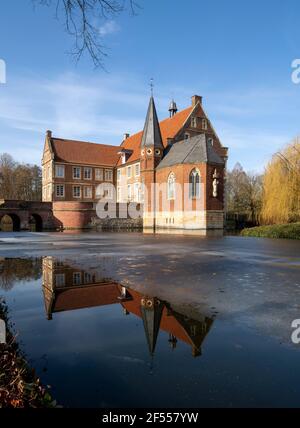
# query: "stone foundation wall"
[[82, 215], [116, 224], [214, 219], [188, 220]]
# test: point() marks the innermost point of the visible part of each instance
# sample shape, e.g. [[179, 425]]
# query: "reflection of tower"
[[151, 311]]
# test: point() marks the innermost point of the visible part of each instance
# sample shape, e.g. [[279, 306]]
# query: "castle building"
[[175, 169]]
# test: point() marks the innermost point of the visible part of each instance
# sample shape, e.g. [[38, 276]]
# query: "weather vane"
[[151, 85]]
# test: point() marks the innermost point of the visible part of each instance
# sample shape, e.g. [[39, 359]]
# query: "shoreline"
[[19, 385], [276, 231]]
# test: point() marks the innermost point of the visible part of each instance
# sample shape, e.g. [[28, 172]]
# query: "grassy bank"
[[286, 231], [19, 386]]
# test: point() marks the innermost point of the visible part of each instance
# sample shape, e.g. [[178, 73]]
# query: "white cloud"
[[109, 27], [253, 123]]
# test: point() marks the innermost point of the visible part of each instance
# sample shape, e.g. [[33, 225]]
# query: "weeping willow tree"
[[281, 186]]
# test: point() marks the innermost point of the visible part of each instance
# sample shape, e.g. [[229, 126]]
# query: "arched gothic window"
[[194, 182], [171, 186]]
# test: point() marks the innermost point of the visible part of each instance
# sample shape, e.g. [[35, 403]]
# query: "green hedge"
[[286, 231]]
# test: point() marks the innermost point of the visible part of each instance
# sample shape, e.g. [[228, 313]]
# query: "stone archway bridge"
[[27, 214]]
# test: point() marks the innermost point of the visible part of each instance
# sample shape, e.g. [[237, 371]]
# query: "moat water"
[[127, 320]]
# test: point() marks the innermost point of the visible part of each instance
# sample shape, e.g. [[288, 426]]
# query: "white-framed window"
[[99, 191], [60, 280], [108, 193], [204, 124], [137, 170], [194, 184], [108, 175], [59, 190], [119, 174], [60, 171], [129, 171], [123, 158], [105, 191], [76, 172], [129, 192], [171, 186], [118, 194], [186, 136], [137, 195], [210, 141], [99, 174], [194, 122], [87, 173], [76, 278], [76, 191], [88, 278], [87, 192]]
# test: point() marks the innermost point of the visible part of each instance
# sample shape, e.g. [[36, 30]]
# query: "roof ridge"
[[160, 122], [85, 142]]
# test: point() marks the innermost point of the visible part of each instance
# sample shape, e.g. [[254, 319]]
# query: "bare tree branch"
[[82, 19]]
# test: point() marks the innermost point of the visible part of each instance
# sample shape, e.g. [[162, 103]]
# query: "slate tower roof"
[[151, 134], [152, 318]]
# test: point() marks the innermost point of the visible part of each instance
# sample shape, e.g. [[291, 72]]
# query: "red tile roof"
[[168, 127], [83, 152], [86, 297], [102, 154]]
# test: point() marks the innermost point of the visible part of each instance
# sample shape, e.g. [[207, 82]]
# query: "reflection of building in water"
[[67, 288], [158, 315]]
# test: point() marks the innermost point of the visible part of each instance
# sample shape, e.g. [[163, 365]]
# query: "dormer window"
[[125, 154], [204, 124], [194, 122]]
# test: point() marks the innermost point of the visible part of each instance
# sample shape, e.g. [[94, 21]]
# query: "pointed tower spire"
[[151, 135], [151, 311]]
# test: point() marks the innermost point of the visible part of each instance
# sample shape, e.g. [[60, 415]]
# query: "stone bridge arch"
[[36, 223], [26, 215], [10, 222]]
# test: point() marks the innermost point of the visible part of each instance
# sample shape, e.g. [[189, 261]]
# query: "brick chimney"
[[196, 99], [49, 134]]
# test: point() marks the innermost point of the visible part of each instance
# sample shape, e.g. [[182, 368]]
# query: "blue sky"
[[236, 54]]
